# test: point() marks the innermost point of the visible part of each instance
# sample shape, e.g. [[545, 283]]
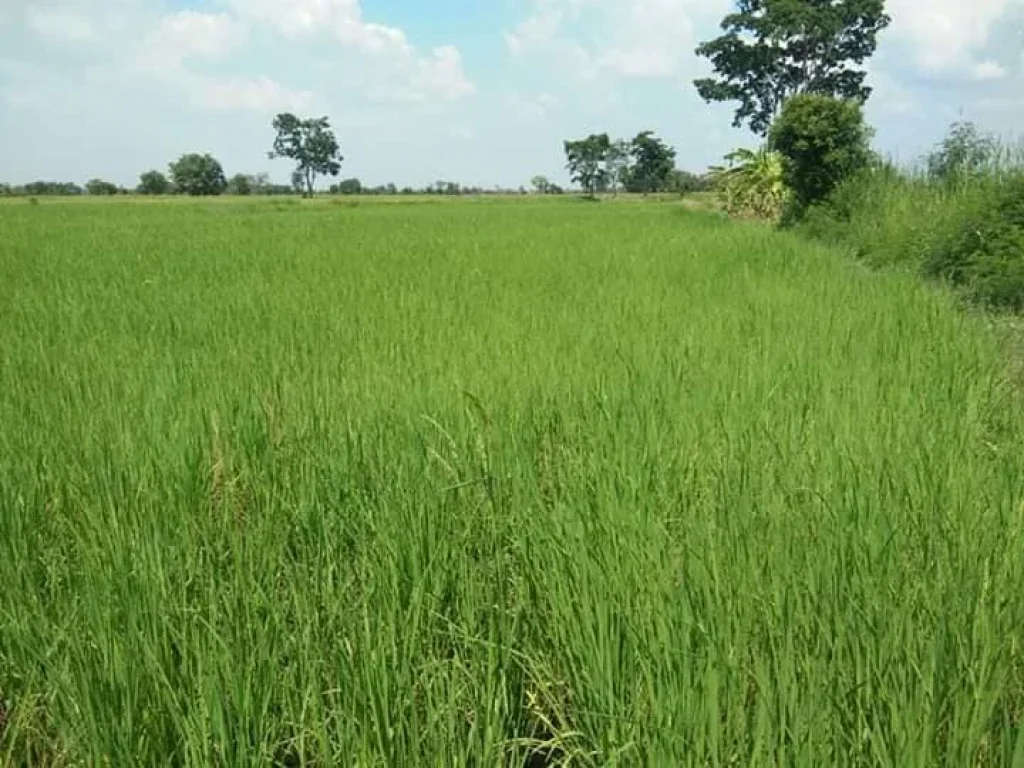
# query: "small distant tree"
[[100, 188], [349, 187], [685, 182], [153, 183], [964, 153], [311, 144], [653, 163], [6, 189], [196, 174], [540, 184], [585, 160], [260, 183], [822, 141], [240, 184]]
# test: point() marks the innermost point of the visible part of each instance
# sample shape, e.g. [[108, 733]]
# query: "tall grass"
[[454, 485], [964, 227]]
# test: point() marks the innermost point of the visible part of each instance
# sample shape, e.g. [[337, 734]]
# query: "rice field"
[[513, 483]]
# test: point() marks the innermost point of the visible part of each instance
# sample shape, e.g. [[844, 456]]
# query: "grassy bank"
[[442, 485], [965, 228]]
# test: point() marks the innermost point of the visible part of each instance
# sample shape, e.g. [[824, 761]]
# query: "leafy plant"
[[751, 184]]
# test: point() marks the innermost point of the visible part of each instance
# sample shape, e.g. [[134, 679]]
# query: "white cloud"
[[527, 111], [628, 38], [188, 34], [438, 74], [948, 35], [61, 25], [260, 95]]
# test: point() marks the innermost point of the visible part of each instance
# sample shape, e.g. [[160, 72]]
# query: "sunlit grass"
[[442, 485]]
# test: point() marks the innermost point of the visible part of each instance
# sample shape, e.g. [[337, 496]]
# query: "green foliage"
[[153, 183], [585, 161], [751, 185], [715, 497], [100, 188], [348, 187], [965, 153], [198, 175], [52, 188], [617, 164], [311, 144], [653, 163], [240, 184], [774, 49], [685, 182], [968, 233], [984, 255], [822, 141]]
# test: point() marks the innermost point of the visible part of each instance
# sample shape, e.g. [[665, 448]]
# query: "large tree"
[[774, 49], [196, 174], [653, 163], [585, 159], [311, 144]]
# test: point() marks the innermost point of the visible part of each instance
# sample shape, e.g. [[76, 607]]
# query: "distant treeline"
[[259, 184]]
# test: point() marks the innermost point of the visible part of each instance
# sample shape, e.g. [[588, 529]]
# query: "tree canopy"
[[196, 174], [584, 161], [774, 49], [653, 163], [153, 183], [311, 144]]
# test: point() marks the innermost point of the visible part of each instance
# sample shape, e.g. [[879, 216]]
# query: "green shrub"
[[823, 141], [985, 253]]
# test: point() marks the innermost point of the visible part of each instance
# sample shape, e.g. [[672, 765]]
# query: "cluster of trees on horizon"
[[598, 164], [804, 56], [643, 164]]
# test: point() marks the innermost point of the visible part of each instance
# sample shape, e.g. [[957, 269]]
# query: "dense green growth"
[[198, 175], [961, 219], [823, 141], [435, 484]]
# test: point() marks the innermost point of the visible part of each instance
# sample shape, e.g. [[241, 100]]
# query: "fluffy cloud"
[[169, 44], [950, 36], [621, 38], [414, 76]]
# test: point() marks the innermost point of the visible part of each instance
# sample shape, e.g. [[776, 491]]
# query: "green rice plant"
[[515, 483]]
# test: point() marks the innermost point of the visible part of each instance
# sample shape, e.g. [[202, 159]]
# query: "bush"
[[822, 141], [196, 174], [984, 255]]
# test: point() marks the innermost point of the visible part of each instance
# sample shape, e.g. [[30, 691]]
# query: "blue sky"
[[478, 91]]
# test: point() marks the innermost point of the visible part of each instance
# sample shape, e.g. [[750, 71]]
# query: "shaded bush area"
[[960, 219]]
